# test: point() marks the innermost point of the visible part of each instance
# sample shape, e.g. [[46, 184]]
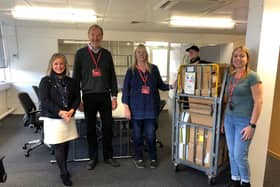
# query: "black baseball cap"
[[193, 47]]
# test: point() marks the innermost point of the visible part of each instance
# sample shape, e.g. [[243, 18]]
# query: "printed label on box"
[[189, 86], [185, 116]]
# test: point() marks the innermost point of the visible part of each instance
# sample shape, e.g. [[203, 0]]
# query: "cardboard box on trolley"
[[198, 80], [201, 111], [199, 147], [203, 148], [202, 80]]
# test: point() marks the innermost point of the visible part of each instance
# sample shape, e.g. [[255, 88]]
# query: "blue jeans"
[[238, 149], [148, 126]]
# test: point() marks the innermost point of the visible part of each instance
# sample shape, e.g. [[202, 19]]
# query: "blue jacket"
[[143, 106]]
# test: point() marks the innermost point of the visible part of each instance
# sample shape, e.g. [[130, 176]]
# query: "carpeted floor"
[[37, 171]]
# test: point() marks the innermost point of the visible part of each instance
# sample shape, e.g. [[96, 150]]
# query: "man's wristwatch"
[[252, 125]]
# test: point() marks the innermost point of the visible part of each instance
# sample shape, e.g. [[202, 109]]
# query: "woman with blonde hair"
[[142, 104], [244, 103], [59, 97]]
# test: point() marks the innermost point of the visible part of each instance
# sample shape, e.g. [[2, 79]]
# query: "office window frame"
[[3, 58]]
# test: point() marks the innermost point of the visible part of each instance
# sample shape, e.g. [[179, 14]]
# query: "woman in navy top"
[[142, 103]]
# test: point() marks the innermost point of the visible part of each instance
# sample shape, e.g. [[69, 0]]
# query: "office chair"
[[3, 174], [36, 90], [31, 119]]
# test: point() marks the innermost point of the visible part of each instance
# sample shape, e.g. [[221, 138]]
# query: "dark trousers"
[[148, 126], [61, 154], [101, 103]]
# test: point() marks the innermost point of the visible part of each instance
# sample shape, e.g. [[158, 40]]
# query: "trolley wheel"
[[24, 147], [26, 154], [175, 167], [211, 180]]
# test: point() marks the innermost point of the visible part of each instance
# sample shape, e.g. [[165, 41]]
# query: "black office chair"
[[36, 90], [31, 119], [3, 174]]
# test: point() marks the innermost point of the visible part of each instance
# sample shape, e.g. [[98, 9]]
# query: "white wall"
[[263, 40], [36, 44], [219, 53]]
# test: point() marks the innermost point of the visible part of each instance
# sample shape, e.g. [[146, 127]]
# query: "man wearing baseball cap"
[[193, 53]]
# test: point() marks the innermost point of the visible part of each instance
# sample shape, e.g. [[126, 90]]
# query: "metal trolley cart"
[[196, 139]]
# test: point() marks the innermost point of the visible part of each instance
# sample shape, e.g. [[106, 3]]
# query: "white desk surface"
[[117, 113]]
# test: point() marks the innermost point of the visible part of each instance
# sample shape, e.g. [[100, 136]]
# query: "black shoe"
[[153, 164], [91, 164], [112, 162], [245, 184], [234, 183], [66, 180], [139, 163]]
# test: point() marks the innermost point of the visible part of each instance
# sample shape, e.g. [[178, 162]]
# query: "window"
[[121, 52], [158, 55], [3, 63], [159, 58], [3, 59], [2, 74]]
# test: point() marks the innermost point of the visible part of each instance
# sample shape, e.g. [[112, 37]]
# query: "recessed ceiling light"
[[54, 14], [75, 41], [156, 43], [218, 23]]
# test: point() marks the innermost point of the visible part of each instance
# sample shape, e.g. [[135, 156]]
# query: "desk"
[[121, 133]]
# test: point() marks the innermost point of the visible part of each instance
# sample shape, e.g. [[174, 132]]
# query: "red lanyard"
[[93, 59], [143, 77], [233, 85]]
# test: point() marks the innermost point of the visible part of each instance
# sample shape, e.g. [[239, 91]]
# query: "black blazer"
[[51, 100]]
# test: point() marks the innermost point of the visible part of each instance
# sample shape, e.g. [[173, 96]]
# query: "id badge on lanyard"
[[145, 89], [96, 72]]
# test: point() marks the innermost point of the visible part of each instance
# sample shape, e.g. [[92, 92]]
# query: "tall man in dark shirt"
[[94, 69]]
